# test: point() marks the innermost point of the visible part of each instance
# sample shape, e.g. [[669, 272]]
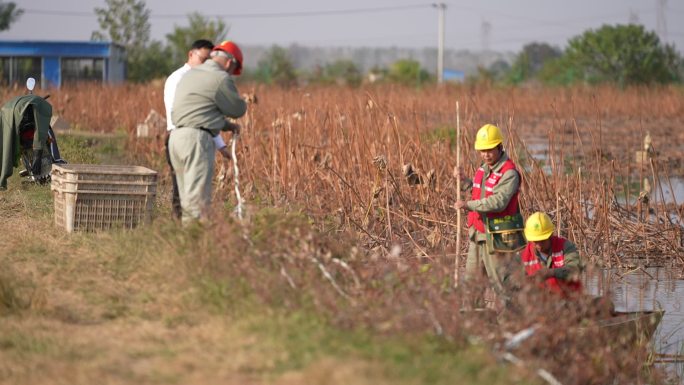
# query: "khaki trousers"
[[502, 270], [192, 153]]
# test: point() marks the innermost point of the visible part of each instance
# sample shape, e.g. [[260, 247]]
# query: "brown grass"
[[315, 148], [339, 153], [330, 160]]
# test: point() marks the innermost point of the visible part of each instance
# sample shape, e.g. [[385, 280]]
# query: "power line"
[[494, 42], [256, 15], [57, 12], [566, 24], [419, 37], [552, 23], [314, 13], [548, 22]]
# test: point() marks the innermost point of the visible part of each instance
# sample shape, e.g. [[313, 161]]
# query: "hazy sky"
[[470, 24]]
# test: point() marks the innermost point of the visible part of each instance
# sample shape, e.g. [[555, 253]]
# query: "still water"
[[669, 189], [649, 289]]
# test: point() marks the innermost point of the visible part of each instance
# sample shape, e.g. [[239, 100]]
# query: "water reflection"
[[671, 191], [643, 290]]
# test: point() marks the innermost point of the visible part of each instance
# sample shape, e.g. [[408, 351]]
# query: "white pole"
[[236, 174], [458, 195]]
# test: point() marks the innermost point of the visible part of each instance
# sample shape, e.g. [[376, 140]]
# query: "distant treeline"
[[618, 54]]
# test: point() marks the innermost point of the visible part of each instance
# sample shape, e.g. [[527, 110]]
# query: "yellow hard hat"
[[488, 137], [538, 227]]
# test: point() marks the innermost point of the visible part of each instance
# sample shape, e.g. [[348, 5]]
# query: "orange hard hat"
[[231, 48]]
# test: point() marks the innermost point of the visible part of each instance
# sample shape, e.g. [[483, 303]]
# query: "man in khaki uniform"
[[495, 224], [204, 97]]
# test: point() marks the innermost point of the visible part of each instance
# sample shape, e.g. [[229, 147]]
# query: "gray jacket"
[[503, 192], [204, 97]]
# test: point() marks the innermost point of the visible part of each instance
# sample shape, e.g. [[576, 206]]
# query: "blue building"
[[56, 63], [455, 76]]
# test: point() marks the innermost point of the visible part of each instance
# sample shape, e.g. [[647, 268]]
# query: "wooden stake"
[[458, 195], [558, 211]]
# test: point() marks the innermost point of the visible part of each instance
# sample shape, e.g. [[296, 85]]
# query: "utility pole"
[[661, 21], [441, 7], [486, 31]]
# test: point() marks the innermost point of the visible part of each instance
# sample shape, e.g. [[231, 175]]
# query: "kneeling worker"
[[552, 259]]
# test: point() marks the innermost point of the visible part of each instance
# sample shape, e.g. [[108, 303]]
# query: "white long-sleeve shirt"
[[169, 96]]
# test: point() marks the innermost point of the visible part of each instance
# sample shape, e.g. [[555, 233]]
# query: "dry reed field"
[[350, 191], [351, 158]]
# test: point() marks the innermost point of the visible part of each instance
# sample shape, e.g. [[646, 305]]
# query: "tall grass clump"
[[326, 276]]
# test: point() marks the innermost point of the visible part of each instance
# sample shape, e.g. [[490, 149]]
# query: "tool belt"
[[505, 234]]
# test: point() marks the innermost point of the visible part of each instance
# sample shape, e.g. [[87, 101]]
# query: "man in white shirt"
[[199, 53]]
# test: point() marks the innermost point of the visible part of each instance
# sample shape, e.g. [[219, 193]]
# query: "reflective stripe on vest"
[[531, 261], [532, 265], [558, 258]]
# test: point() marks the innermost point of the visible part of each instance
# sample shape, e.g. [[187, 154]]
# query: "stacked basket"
[[92, 197]]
